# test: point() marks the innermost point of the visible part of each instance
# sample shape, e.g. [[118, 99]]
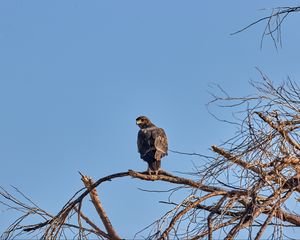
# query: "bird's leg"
[[149, 171], [158, 171]]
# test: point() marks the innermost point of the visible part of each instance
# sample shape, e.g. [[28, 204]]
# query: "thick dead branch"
[[177, 180], [236, 160], [288, 217], [88, 182]]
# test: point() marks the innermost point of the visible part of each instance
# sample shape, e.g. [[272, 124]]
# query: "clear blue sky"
[[74, 75]]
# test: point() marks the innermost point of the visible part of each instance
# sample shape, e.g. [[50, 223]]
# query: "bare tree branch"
[[88, 182], [274, 23]]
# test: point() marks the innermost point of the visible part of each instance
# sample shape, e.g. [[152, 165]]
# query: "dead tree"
[[249, 189]]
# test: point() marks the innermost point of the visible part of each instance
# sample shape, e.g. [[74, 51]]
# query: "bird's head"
[[143, 122]]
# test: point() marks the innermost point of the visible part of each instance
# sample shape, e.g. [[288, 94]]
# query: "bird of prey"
[[152, 144]]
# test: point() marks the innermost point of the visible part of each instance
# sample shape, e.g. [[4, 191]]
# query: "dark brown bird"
[[152, 144]]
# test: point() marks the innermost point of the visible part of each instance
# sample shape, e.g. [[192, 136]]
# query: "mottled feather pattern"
[[153, 138], [152, 144]]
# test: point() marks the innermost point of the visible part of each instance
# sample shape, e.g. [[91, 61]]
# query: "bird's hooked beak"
[[139, 121]]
